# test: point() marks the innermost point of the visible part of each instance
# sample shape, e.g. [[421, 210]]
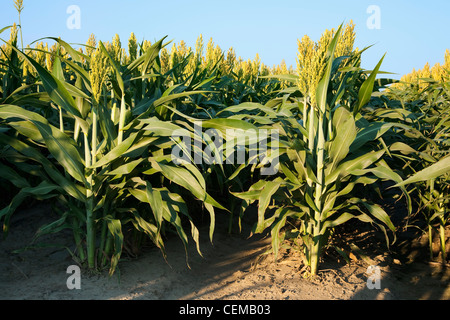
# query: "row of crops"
[[142, 142]]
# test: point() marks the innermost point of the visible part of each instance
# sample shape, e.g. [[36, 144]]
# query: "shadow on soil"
[[232, 268], [406, 270]]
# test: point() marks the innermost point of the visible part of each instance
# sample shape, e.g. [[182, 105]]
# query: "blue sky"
[[411, 32]]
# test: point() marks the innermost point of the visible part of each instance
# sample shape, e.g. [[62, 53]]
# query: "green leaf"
[[182, 177], [126, 168], [76, 55], [5, 28], [141, 224], [27, 129], [171, 97], [372, 132], [402, 147], [115, 68], [57, 91], [155, 200], [284, 77], [57, 70], [69, 186], [115, 228], [311, 202], [9, 112], [289, 174], [331, 223], [116, 152], [350, 165], [365, 92], [322, 88], [42, 190], [12, 176], [376, 211], [435, 170], [163, 128], [62, 148], [228, 124], [383, 171], [212, 223], [249, 106], [251, 195], [53, 227], [345, 129], [281, 215], [264, 199], [173, 205], [147, 58]]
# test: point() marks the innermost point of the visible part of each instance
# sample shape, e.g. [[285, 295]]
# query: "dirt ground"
[[234, 267]]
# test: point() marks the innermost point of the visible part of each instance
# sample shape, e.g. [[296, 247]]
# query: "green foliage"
[[94, 132]]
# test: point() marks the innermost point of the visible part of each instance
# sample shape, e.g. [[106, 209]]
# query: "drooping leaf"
[[57, 91], [264, 199], [358, 163], [370, 133], [61, 147], [116, 152], [155, 200], [435, 170], [182, 177], [41, 191], [115, 228], [76, 191]]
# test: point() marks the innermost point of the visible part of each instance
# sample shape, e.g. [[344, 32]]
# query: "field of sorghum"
[[138, 142]]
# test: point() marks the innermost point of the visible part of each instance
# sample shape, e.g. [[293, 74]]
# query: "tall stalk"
[[123, 111], [442, 240], [18, 4], [90, 231], [97, 74], [315, 253]]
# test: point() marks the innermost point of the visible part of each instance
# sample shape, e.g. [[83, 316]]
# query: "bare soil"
[[233, 267]]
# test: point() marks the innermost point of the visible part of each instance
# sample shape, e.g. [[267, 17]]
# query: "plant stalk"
[[114, 106], [90, 228], [430, 240], [21, 35], [94, 134], [121, 119], [316, 247], [104, 234], [77, 238], [90, 231], [442, 238], [61, 120]]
